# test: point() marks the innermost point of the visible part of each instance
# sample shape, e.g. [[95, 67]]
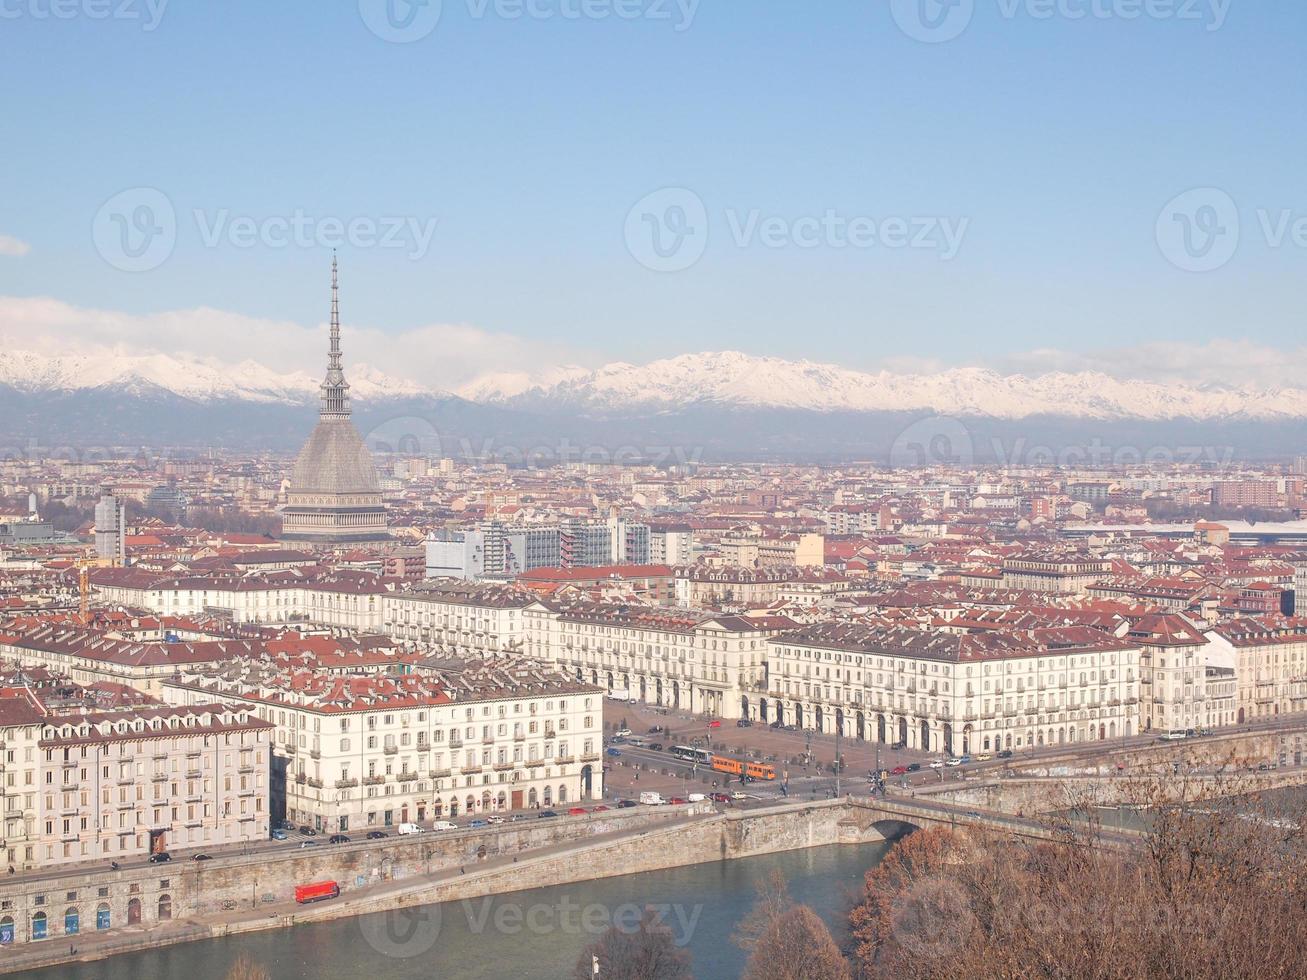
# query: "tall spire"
[[335, 389]]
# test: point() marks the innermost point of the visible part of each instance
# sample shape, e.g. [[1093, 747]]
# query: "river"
[[531, 934]]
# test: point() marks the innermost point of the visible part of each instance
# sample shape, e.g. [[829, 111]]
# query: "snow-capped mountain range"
[[732, 379], [719, 380], [192, 378]]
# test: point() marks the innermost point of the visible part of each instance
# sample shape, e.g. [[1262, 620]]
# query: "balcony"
[[563, 760], [346, 783], [159, 777], [391, 750], [315, 782], [315, 754], [406, 777], [504, 766], [518, 737], [373, 780], [440, 773]]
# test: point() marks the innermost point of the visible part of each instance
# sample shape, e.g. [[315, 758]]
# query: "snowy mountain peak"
[[735, 379]]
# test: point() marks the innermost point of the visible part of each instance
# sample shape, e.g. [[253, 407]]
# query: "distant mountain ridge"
[[733, 379]]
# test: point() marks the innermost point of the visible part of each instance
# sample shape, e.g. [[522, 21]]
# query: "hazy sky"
[[526, 182]]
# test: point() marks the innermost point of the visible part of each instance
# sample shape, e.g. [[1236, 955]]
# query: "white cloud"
[[435, 356], [13, 247], [1219, 362]]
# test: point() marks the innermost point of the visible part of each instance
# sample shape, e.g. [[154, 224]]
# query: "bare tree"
[[647, 952], [246, 968], [797, 946]]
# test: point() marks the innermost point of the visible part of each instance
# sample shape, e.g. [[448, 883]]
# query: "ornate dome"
[[334, 461]]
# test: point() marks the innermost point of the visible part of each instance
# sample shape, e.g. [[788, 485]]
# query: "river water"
[[531, 934]]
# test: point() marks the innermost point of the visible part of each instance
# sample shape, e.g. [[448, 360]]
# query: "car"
[[714, 724], [308, 843], [494, 818], [287, 825], [438, 825], [964, 758], [477, 825], [546, 814], [720, 797], [202, 857], [577, 811], [279, 834], [914, 767], [377, 835], [308, 831], [600, 808], [618, 740], [655, 746], [983, 757], [623, 733], [899, 771], [744, 723], [1005, 754], [937, 763], [614, 752], [955, 761], [338, 839], [678, 801], [738, 795], [655, 730], [160, 858]]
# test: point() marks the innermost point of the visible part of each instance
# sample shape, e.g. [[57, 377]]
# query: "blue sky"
[[1049, 145]]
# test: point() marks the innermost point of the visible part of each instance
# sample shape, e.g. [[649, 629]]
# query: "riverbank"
[[694, 837]]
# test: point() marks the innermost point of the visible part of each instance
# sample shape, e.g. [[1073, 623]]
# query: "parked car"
[[577, 811], [287, 825], [613, 752], [714, 724], [438, 825], [600, 808], [937, 763], [955, 761], [899, 745], [964, 759], [744, 723], [338, 839], [622, 732], [477, 825], [1005, 754], [279, 834], [914, 767], [655, 746], [308, 831], [983, 757], [377, 835], [720, 797], [494, 818], [160, 858], [678, 801], [202, 857], [412, 828], [655, 730], [308, 843], [738, 795], [899, 771], [625, 804], [546, 814]]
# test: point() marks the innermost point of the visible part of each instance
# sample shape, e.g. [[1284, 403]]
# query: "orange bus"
[[316, 892], [738, 767]]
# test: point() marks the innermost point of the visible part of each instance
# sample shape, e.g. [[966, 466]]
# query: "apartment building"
[[954, 693], [120, 784], [1270, 665], [460, 618], [455, 737], [675, 658], [1053, 572], [1172, 673]]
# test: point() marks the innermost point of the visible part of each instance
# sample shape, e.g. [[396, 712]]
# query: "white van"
[[652, 799], [409, 828], [1175, 736], [696, 798], [444, 825]]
